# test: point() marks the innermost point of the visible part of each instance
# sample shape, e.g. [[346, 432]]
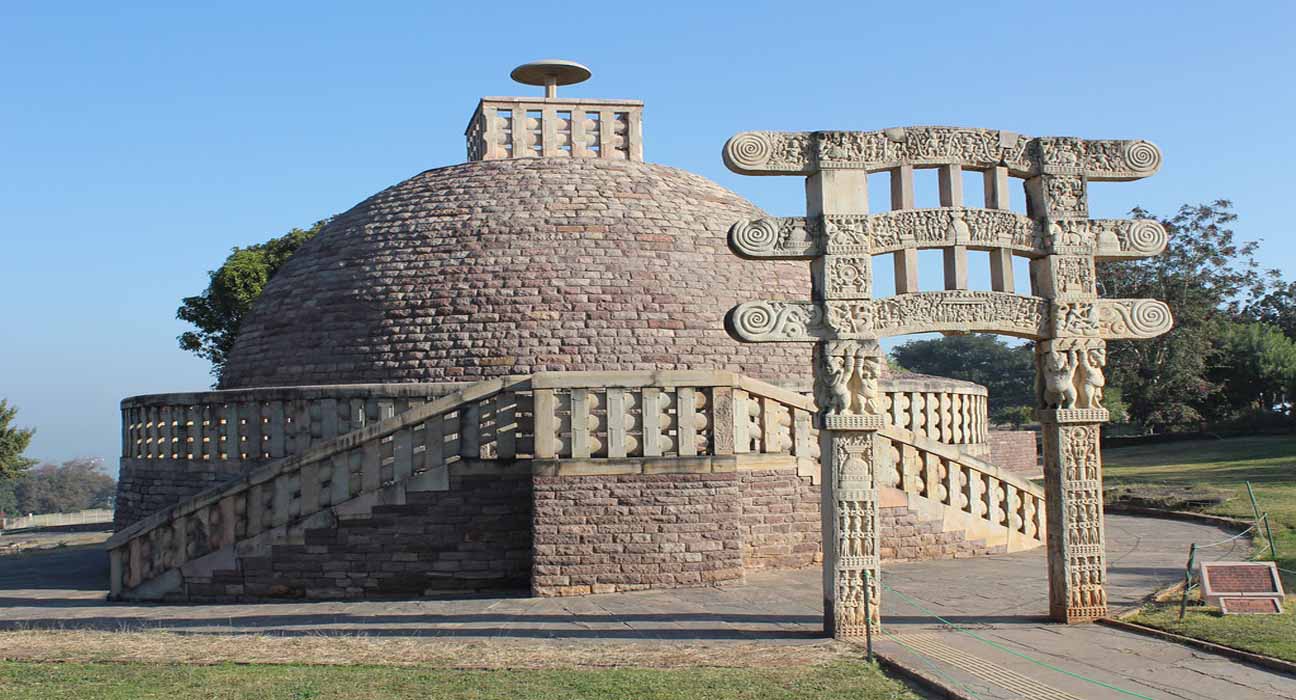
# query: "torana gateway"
[[515, 372]]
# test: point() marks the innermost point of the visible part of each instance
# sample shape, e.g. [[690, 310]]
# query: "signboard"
[[1240, 581], [1250, 606]]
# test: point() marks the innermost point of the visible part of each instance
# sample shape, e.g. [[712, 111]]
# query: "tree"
[[232, 288], [13, 442], [1006, 371], [74, 485], [1255, 366], [1276, 308], [1208, 279], [8, 499]]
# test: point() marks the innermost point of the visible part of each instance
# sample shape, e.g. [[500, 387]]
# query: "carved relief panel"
[[1069, 373]]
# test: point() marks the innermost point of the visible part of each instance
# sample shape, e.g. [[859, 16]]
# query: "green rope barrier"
[[1014, 652]]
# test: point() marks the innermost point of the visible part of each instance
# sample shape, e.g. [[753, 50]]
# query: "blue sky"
[[139, 143]]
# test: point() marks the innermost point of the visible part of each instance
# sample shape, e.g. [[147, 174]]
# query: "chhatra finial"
[[550, 72]]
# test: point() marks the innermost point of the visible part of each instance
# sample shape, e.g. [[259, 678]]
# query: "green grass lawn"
[[1269, 463], [137, 681], [1272, 635]]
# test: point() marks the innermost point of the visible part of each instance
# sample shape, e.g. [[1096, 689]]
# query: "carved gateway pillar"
[[1069, 380], [849, 456], [847, 372], [1070, 366], [1062, 314]]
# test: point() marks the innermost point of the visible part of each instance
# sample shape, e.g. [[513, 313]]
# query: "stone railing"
[[490, 420], [933, 409], [956, 480], [349, 473], [616, 415], [567, 423], [522, 127], [259, 424], [176, 445], [251, 425]]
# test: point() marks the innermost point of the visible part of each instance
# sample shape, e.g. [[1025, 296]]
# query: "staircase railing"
[[422, 440], [568, 422], [957, 480]]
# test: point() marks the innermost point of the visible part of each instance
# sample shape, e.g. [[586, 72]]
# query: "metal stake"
[[1255, 507], [1273, 551], [868, 618], [1183, 600]]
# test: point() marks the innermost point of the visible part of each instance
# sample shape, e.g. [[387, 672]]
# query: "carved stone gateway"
[[1063, 314]]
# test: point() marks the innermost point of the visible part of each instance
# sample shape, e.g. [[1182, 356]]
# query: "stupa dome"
[[515, 265]]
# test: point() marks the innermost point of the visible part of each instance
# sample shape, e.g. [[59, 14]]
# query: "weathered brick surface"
[[779, 519], [905, 536], [781, 526], [475, 536], [569, 536], [516, 266], [1014, 450], [599, 534], [145, 486]]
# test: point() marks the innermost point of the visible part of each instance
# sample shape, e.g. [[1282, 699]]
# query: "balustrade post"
[[546, 424], [847, 392], [723, 423]]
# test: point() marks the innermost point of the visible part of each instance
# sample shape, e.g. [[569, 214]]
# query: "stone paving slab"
[[1002, 598]]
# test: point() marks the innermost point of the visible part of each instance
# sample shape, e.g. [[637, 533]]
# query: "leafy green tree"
[[1208, 278], [13, 443], [1276, 308], [1006, 371], [232, 288], [8, 499], [1114, 401], [1255, 366], [1016, 416], [74, 485]]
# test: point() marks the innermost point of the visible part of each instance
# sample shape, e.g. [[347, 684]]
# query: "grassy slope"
[[1269, 463], [1273, 635], [87, 681]]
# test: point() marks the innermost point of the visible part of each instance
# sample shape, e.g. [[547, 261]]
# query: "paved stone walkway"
[[1002, 599]]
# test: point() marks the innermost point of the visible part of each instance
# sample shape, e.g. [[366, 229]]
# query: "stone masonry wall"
[[570, 535], [781, 529], [599, 534], [779, 519], [145, 486], [475, 536], [1015, 451], [906, 536]]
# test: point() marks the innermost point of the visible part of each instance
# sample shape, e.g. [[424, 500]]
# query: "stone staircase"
[[449, 494]]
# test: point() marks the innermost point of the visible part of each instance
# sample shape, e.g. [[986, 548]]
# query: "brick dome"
[[519, 265]]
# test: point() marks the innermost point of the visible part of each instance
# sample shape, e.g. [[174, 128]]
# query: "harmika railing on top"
[[571, 416]]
